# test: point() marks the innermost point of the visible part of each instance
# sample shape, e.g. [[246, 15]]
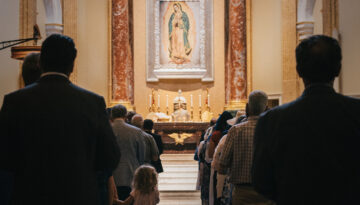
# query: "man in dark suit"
[[148, 127], [55, 135], [307, 151]]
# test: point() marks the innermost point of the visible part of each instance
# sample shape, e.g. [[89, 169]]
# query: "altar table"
[[180, 137]]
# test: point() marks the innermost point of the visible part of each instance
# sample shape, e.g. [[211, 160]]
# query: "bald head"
[[137, 120]]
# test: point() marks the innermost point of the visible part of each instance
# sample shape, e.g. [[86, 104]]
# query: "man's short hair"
[[58, 53], [118, 111], [31, 68], [318, 59], [129, 116], [148, 124], [257, 102]]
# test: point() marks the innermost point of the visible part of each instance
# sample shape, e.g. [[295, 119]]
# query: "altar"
[[180, 137]]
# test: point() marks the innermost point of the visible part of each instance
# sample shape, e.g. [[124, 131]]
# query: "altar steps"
[[180, 172], [180, 198]]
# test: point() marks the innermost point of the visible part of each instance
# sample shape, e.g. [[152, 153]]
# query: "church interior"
[[134, 53]]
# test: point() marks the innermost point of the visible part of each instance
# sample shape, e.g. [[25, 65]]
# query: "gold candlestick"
[[167, 110], [200, 113], [192, 113]]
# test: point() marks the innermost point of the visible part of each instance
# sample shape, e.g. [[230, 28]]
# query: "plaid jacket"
[[238, 152]]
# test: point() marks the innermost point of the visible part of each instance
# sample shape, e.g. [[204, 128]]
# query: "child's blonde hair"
[[145, 179]]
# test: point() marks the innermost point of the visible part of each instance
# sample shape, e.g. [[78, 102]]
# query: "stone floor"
[[178, 181]]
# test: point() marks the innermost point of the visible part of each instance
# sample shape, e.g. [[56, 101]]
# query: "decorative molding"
[[290, 80], [27, 20], [70, 21], [249, 75]]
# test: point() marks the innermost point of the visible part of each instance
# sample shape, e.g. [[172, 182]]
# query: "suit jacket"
[[54, 137], [151, 150], [157, 164], [158, 141], [307, 151], [132, 146]]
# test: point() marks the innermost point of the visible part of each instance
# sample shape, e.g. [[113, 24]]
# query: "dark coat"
[[157, 164], [307, 151], [54, 137]]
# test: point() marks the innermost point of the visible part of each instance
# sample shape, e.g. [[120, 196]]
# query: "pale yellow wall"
[[349, 17], [92, 45], [170, 87], [9, 68], [266, 38], [266, 46]]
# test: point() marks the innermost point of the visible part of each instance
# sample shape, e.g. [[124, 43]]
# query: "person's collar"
[[54, 73], [318, 88]]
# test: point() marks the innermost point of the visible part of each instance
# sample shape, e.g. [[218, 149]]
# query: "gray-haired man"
[[238, 153], [130, 141]]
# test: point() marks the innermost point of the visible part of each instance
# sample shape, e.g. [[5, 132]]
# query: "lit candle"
[[158, 100], [167, 100], [150, 100], [199, 100], [191, 101], [209, 100]]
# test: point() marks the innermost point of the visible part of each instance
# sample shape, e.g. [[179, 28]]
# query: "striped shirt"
[[238, 151]]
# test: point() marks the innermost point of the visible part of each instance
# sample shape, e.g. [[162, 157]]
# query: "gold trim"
[[236, 105], [249, 78], [110, 103], [305, 22], [54, 24]]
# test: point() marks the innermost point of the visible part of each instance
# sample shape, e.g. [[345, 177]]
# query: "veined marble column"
[[236, 57], [122, 63]]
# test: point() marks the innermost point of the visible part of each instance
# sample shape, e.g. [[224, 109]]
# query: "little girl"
[[145, 191]]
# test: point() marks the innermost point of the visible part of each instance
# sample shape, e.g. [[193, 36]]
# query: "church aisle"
[[178, 181], [180, 172]]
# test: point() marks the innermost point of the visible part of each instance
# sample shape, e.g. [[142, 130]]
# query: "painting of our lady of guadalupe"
[[179, 46], [179, 33]]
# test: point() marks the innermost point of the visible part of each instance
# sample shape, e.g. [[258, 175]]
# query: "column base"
[[127, 104], [236, 105]]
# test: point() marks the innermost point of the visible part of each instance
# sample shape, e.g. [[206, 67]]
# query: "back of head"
[[221, 123], [213, 121], [129, 116], [58, 53], [118, 111], [318, 59], [257, 102], [31, 68], [148, 124], [137, 120], [145, 179]]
